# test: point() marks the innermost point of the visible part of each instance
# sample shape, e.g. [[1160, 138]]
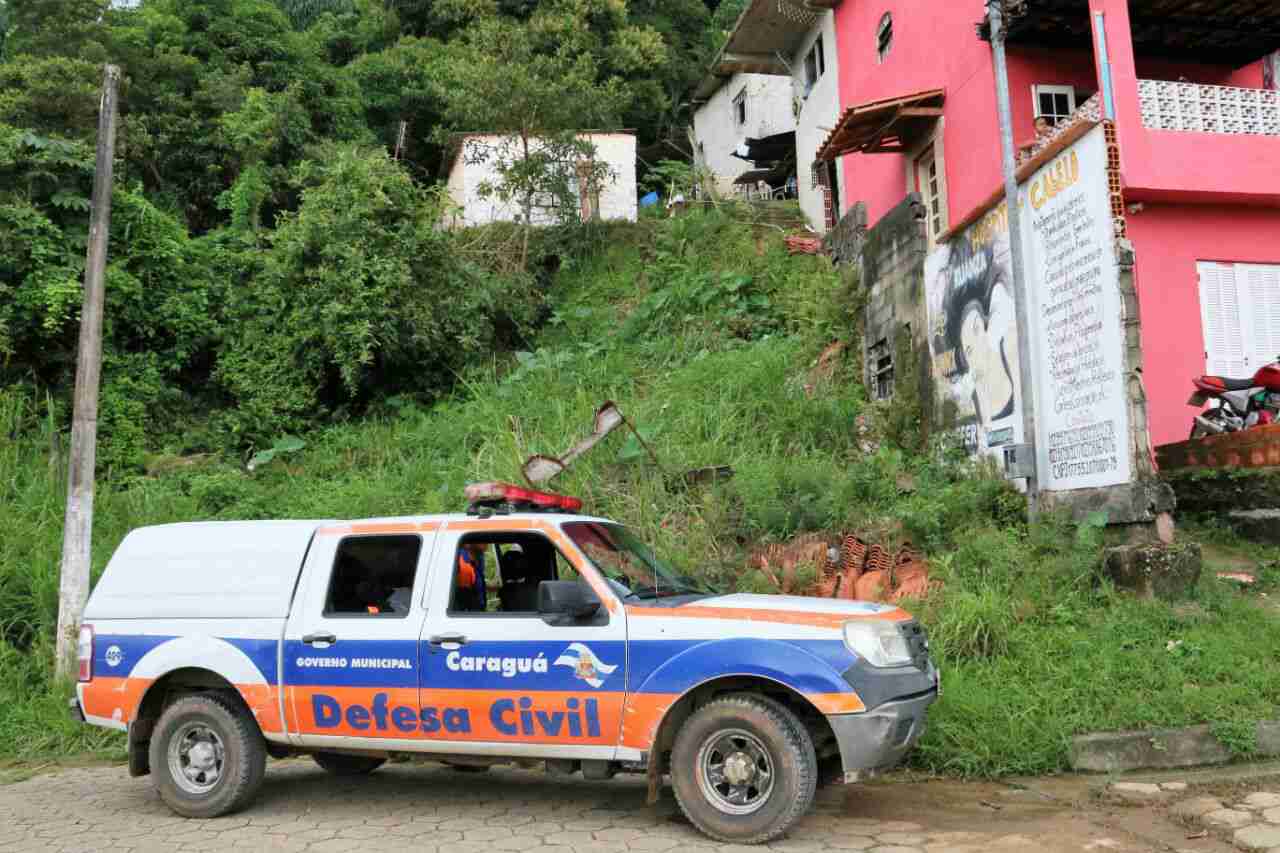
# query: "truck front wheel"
[[207, 755], [744, 769]]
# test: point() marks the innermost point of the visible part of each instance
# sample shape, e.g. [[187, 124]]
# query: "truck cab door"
[[350, 650], [497, 678]]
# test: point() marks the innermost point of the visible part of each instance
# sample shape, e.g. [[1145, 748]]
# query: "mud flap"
[[139, 747], [655, 779]]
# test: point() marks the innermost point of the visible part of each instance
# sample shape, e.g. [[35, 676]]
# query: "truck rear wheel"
[[207, 755], [348, 765], [743, 769]]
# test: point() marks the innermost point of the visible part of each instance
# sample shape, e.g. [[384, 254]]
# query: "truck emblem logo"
[[114, 656], [585, 664]]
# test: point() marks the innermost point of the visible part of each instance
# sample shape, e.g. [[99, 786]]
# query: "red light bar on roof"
[[493, 492]]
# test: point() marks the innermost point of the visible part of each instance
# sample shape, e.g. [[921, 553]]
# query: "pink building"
[[1195, 101]]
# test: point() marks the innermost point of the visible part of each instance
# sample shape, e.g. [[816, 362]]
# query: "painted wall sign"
[[973, 334], [1082, 414], [1075, 309]]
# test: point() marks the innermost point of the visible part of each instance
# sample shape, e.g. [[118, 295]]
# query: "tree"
[[360, 295], [509, 80]]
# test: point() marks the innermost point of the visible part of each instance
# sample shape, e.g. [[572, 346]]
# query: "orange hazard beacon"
[[518, 629]]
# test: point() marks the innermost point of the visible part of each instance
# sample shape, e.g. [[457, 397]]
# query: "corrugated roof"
[[1225, 32], [882, 127]]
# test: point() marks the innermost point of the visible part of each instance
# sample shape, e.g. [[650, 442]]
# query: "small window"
[[880, 357], [884, 36], [814, 66], [1056, 103], [929, 185], [373, 576], [500, 573], [740, 107]]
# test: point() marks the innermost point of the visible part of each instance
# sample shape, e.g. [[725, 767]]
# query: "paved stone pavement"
[[427, 808]]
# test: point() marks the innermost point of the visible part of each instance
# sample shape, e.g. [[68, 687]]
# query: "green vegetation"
[[706, 333], [290, 333], [276, 259]]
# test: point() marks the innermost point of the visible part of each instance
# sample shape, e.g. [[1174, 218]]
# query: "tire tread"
[[797, 740], [250, 769]]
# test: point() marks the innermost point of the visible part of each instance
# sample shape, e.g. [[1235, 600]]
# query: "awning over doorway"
[[882, 127], [767, 150], [755, 175]]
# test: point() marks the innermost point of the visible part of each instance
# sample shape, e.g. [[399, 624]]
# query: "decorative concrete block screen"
[[1168, 105]]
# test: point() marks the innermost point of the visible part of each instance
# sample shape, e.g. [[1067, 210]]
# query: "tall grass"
[[1034, 646]]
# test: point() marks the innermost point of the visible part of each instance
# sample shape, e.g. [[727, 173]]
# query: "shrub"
[[359, 296]]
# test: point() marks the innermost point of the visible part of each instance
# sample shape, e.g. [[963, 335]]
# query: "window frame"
[[930, 189], [934, 139], [326, 613], [881, 367], [1052, 89], [814, 65], [740, 108], [884, 37], [1242, 317], [451, 613]]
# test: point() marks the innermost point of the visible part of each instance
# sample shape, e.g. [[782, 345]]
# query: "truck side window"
[[499, 573], [373, 576]]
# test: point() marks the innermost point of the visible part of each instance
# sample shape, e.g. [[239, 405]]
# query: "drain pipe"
[[996, 22]]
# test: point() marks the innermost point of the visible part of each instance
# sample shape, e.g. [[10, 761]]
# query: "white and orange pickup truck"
[[519, 630]]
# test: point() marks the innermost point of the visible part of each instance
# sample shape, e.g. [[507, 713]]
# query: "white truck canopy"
[[227, 569]]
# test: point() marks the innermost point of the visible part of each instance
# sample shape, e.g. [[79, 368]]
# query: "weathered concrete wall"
[[844, 242], [717, 132], [818, 113], [893, 256]]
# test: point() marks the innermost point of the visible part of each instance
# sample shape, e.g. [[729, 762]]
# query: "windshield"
[[628, 564]]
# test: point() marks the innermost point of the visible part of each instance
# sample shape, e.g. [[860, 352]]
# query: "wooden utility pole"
[[73, 586]]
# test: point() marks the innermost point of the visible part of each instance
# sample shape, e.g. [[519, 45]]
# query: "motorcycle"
[[1240, 403]]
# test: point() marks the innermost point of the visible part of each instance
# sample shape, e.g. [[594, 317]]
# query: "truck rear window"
[[373, 576]]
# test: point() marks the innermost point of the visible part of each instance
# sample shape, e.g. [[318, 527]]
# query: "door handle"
[[320, 637], [443, 640]]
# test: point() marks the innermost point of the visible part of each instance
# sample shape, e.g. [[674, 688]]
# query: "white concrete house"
[[474, 164], [794, 46], [736, 108]]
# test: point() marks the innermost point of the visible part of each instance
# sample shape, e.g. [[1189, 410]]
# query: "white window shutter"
[[1261, 283], [1220, 312]]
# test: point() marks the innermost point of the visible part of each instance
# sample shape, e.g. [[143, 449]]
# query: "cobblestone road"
[[428, 808]]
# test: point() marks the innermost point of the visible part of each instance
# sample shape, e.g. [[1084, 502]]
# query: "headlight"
[[879, 643]]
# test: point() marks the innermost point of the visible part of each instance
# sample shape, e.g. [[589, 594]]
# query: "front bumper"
[[878, 739]]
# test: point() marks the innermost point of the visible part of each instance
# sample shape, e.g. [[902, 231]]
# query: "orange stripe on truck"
[[119, 699], [786, 617]]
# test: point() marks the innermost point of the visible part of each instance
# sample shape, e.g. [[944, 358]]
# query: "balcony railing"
[[1090, 111], [1169, 105]]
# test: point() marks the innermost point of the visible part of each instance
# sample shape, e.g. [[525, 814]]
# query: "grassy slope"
[[704, 334]]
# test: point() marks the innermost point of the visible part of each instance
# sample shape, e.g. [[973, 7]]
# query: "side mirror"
[[567, 598]]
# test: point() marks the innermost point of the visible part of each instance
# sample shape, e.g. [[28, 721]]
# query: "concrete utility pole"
[[996, 21], [73, 586]]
